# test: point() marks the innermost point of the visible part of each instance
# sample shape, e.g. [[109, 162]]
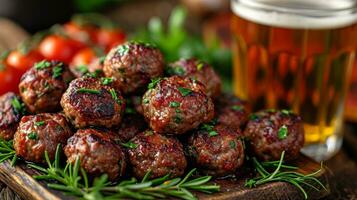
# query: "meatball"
[[270, 132], [231, 111], [132, 125], [198, 70], [39, 133], [176, 105], [11, 111], [97, 151], [159, 154], [216, 150], [133, 65], [93, 102], [42, 86]]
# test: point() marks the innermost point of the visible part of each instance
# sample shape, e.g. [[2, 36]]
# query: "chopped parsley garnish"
[[129, 110], [232, 144], [115, 97], [184, 91], [101, 60], [107, 81], [271, 110], [176, 70], [42, 65], [283, 132], [286, 112], [237, 108], [253, 116], [130, 145], [145, 101], [177, 119], [123, 49], [32, 136], [57, 70], [39, 123], [212, 133], [177, 110], [153, 83], [82, 69], [200, 65], [174, 104], [147, 133], [89, 91], [18, 106]]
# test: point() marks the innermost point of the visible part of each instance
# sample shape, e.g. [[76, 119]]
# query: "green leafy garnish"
[[176, 70], [232, 144], [153, 83], [281, 174], [174, 104], [200, 65], [82, 69], [130, 145], [283, 132], [32, 136], [145, 101], [7, 151], [18, 106], [177, 119], [42, 65], [184, 91], [123, 49], [115, 96], [237, 108], [57, 70], [39, 123], [212, 133], [106, 80], [89, 91], [286, 112], [253, 116]]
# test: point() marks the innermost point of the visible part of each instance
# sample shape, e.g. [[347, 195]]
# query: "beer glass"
[[298, 55]]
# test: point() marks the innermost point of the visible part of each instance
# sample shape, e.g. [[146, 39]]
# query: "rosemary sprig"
[[74, 181], [280, 175], [7, 152]]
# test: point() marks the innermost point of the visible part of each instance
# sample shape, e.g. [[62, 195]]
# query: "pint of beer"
[[297, 54]]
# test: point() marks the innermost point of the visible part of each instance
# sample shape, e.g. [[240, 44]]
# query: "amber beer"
[[298, 55]]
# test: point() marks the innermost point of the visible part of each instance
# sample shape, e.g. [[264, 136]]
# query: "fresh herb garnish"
[[178, 119], [237, 108], [184, 91], [148, 133], [82, 69], [253, 116], [212, 133], [106, 80], [174, 104], [42, 65], [115, 96], [283, 132], [176, 70], [145, 101], [280, 175], [200, 65], [18, 106], [57, 70], [123, 49], [153, 83], [232, 144], [89, 91], [32, 136], [39, 123], [130, 145], [286, 112], [7, 151]]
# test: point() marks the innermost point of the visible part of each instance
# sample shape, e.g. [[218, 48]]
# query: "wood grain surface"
[[20, 179]]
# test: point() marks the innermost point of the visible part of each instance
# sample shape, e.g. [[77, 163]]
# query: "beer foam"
[[302, 17]]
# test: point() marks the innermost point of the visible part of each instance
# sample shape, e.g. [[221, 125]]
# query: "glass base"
[[320, 152]]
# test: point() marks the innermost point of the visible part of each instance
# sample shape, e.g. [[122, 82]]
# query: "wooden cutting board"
[[20, 180]]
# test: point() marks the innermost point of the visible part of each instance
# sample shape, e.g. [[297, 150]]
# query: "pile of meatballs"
[[135, 114]]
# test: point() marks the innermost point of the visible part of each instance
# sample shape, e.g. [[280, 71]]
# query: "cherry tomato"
[[84, 57], [9, 78], [56, 47], [81, 33], [23, 62], [108, 38]]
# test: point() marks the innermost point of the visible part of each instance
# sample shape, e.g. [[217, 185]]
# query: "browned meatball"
[[131, 125], [133, 65], [231, 111], [93, 102], [176, 105], [39, 133], [11, 111], [97, 151], [162, 155], [42, 86], [197, 70], [216, 150], [271, 132]]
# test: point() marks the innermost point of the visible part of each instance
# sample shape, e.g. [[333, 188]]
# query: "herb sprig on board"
[[281, 174], [7, 152]]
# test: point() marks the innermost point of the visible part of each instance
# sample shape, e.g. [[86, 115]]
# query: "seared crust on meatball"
[[133, 65], [198, 70], [216, 150], [159, 154], [98, 153], [90, 102], [9, 115], [176, 105], [42, 86], [131, 125], [231, 111], [39, 133], [271, 132]]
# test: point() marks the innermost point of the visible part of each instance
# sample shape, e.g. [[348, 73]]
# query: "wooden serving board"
[[20, 180]]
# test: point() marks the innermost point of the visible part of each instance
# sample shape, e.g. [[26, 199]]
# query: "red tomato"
[[109, 38], [9, 79], [22, 62], [77, 32], [56, 47], [84, 57]]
